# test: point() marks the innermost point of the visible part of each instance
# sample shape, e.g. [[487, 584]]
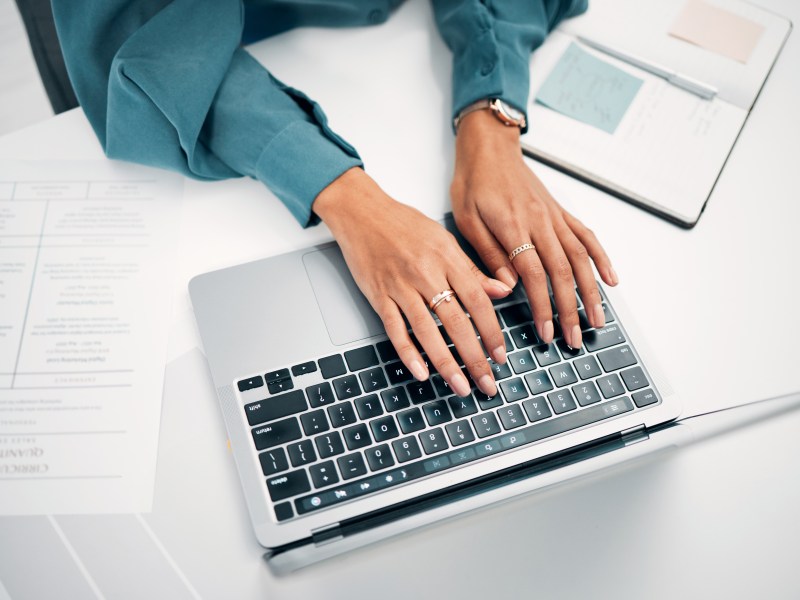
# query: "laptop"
[[337, 446]]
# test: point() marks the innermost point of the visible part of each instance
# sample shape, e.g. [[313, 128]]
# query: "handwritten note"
[[588, 89], [717, 30]]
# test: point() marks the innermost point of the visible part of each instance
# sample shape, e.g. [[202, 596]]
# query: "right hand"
[[401, 259]]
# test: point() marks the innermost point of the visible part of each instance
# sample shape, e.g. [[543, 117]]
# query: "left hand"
[[499, 204]]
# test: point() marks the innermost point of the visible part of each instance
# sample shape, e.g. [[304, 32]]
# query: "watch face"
[[512, 112], [508, 114]]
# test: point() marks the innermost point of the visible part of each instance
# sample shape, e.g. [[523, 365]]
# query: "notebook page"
[[668, 148], [642, 29]]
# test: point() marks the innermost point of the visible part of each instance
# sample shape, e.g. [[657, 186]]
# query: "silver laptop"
[[338, 446]]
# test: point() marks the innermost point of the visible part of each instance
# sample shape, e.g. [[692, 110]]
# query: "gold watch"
[[507, 115]]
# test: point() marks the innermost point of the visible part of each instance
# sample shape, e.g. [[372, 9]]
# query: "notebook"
[[337, 446], [646, 100]]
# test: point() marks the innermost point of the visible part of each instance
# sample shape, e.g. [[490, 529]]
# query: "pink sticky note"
[[717, 30]]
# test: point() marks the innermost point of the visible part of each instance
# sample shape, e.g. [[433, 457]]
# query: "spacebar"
[[464, 454]]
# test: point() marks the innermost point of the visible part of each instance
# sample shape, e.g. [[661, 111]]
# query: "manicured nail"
[[418, 370], [460, 385], [547, 332], [505, 275], [576, 337], [500, 286], [499, 354], [612, 275], [487, 385], [599, 319]]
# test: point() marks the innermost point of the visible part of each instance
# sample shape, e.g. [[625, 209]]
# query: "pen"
[[698, 88]]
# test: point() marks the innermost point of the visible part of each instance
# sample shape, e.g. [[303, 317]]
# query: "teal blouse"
[[167, 83]]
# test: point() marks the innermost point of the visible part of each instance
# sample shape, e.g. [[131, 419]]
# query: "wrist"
[[480, 133], [352, 193]]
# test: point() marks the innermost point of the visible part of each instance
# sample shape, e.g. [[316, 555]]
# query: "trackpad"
[[347, 314]]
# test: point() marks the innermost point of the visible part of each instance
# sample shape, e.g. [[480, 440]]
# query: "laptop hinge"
[[634, 435], [326, 535]]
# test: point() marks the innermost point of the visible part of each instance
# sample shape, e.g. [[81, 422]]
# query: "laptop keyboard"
[[351, 424]]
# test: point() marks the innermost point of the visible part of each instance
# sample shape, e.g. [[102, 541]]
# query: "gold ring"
[[443, 296], [520, 249]]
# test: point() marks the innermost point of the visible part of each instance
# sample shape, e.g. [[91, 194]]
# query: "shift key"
[[276, 433], [597, 339]]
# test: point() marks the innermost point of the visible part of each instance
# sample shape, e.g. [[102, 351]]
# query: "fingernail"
[[460, 385], [576, 336], [499, 354], [418, 370], [500, 285], [505, 275], [486, 383], [599, 316], [612, 275], [547, 332]]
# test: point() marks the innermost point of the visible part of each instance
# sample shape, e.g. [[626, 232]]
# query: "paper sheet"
[[717, 30], [86, 257], [588, 89]]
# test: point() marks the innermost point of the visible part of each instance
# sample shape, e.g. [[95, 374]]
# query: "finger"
[[427, 333], [595, 249], [459, 328], [395, 327], [493, 288], [491, 251], [584, 275], [474, 299]]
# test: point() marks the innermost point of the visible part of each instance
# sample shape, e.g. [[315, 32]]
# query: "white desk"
[[713, 519]]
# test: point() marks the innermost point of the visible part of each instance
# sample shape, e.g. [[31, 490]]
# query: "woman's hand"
[[499, 205], [401, 259]]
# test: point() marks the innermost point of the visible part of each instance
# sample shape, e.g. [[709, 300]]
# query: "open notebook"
[[599, 111]]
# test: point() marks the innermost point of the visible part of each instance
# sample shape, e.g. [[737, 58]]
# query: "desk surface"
[[715, 303]]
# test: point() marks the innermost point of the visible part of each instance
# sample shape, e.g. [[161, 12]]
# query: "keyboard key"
[[357, 436], [524, 336], [373, 380], [546, 355], [433, 440], [406, 449], [644, 398], [304, 368], [597, 339], [500, 371], [460, 432], [441, 386], [536, 409], [379, 457], [329, 444], [507, 340], [387, 351], [511, 416], [361, 358], [462, 407], [276, 407], [278, 375], [341, 414], [587, 367], [397, 373], [610, 386], [538, 382], [283, 511], [384, 429], [276, 433], [420, 391], [323, 474], [437, 412], [288, 485], [617, 358], [346, 387], [395, 399], [521, 361], [273, 461], [586, 393], [567, 351], [320, 394], [314, 422], [410, 420], [607, 312], [249, 384], [563, 375], [516, 314], [486, 402], [561, 401], [332, 366], [301, 453], [485, 424], [282, 385], [634, 379], [513, 389], [351, 465], [369, 407]]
